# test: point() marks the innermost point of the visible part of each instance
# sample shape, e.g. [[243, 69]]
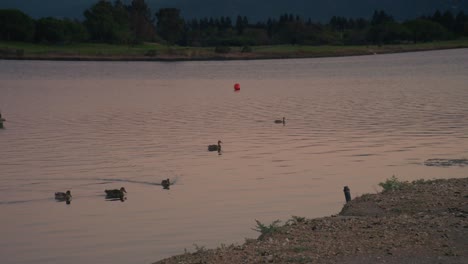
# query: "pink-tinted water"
[[90, 126]]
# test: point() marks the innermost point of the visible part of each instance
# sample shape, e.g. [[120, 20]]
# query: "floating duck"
[[1, 120], [63, 196], [116, 193], [279, 121], [215, 147], [165, 183]]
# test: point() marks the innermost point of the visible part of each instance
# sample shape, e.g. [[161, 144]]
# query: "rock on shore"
[[423, 222]]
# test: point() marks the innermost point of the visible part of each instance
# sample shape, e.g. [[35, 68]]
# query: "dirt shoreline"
[[423, 222], [12, 54]]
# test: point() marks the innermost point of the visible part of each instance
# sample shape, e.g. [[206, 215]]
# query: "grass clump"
[[393, 184], [295, 220], [199, 249], [267, 229]]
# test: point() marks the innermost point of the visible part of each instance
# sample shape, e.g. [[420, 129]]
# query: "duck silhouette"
[[165, 183], [279, 121], [116, 193], [215, 147], [63, 196], [1, 120]]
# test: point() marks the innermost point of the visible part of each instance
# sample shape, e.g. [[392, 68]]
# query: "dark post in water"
[[347, 193]]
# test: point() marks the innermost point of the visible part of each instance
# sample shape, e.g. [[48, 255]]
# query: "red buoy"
[[237, 87]]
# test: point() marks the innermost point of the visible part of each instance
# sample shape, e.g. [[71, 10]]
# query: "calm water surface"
[[90, 126]]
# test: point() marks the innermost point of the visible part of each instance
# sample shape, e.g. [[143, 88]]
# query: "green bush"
[[393, 184], [267, 229]]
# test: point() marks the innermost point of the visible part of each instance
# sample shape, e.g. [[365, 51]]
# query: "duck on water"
[[215, 147], [116, 193], [165, 184], [63, 196], [279, 121], [1, 120]]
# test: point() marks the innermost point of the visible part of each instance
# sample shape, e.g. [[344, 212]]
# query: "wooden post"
[[347, 193]]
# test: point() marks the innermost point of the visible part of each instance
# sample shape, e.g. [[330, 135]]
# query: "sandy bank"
[[423, 222]]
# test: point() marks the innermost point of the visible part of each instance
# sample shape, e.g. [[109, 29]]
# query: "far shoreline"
[[157, 52]]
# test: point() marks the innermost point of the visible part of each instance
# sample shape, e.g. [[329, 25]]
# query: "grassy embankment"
[[154, 51]]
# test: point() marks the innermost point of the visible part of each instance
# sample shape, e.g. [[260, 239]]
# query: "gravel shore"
[[420, 222]]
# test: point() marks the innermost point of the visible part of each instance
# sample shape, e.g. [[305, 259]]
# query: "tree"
[[74, 31], [107, 23], [437, 17], [141, 22], [390, 32], [460, 21], [15, 26], [426, 30], [338, 23], [50, 29], [291, 32], [241, 24], [170, 25], [448, 20], [192, 33], [121, 17], [380, 17]]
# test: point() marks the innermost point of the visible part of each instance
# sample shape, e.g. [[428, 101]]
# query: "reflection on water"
[[92, 126]]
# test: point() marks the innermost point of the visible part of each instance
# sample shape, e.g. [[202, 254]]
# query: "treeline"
[[135, 23]]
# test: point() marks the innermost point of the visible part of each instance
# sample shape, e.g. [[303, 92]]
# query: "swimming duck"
[[1, 120], [215, 147], [63, 196], [165, 184], [279, 121], [116, 193]]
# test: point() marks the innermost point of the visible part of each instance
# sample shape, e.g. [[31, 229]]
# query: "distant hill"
[[317, 10]]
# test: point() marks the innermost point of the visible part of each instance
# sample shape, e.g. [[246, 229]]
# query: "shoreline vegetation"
[[157, 52], [425, 221], [130, 31]]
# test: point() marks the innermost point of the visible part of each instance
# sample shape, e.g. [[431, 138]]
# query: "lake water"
[[91, 126]]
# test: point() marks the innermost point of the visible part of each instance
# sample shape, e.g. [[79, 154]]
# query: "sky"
[[255, 10]]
